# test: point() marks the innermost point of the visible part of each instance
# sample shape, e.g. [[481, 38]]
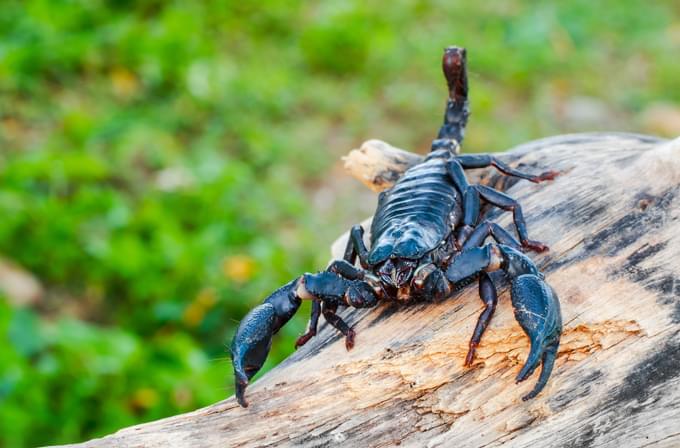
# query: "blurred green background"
[[166, 165]]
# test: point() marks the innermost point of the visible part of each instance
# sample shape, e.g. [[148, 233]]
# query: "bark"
[[611, 220]]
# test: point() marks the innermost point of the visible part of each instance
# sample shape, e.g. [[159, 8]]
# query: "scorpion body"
[[427, 240]]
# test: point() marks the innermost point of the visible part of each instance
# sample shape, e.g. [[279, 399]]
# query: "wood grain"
[[612, 222]]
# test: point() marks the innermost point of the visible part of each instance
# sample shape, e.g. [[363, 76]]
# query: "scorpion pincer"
[[427, 241]]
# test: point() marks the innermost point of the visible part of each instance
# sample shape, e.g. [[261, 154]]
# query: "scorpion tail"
[[451, 133], [253, 338]]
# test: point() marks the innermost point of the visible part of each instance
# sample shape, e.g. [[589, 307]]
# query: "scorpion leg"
[[488, 228], [535, 303], [485, 160], [346, 270], [506, 202], [332, 289], [489, 296], [339, 324], [356, 247], [471, 210], [312, 325], [342, 268], [470, 201]]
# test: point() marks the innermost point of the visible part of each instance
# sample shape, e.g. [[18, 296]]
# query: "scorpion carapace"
[[427, 241]]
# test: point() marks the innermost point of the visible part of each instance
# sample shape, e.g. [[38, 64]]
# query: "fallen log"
[[611, 220]]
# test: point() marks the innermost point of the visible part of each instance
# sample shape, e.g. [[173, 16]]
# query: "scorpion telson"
[[427, 241]]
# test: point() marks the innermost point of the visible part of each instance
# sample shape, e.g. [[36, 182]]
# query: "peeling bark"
[[611, 220]]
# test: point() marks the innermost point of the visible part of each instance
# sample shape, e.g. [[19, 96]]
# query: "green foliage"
[[159, 163]]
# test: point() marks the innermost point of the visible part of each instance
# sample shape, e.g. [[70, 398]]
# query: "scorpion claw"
[[535, 304], [250, 347], [538, 312], [240, 389], [548, 361], [253, 338]]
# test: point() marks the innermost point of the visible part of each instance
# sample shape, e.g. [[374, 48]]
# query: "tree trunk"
[[611, 220]]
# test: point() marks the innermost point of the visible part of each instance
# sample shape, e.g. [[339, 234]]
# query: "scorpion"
[[426, 242]]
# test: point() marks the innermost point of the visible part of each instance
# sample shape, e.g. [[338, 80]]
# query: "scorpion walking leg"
[[487, 292], [485, 160], [470, 201], [339, 324], [346, 270], [471, 210], [535, 303], [488, 228], [332, 289], [355, 246], [312, 325], [506, 202]]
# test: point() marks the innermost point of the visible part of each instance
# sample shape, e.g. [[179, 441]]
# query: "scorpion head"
[[396, 273]]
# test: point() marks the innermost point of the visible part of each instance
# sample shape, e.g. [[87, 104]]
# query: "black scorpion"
[[426, 242]]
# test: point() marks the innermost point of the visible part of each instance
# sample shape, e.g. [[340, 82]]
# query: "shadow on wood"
[[612, 222]]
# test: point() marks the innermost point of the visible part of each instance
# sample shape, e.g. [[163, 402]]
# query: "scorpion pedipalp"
[[253, 338], [535, 304], [537, 310], [327, 290]]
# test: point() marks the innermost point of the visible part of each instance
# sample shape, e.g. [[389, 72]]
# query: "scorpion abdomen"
[[416, 214]]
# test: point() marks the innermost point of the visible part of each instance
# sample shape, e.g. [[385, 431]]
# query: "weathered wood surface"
[[612, 220]]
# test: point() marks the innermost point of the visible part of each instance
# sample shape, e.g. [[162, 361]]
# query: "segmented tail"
[[454, 65]]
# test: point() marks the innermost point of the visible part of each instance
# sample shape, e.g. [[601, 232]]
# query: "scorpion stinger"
[[452, 132], [425, 243]]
